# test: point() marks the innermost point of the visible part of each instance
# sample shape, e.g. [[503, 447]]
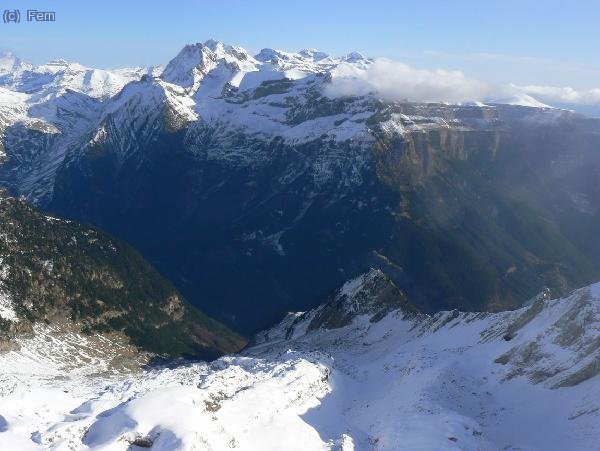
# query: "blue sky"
[[525, 42]]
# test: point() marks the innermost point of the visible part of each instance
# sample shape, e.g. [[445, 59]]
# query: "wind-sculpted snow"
[[402, 382]]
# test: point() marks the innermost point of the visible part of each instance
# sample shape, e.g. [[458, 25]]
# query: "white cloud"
[[567, 95], [397, 81]]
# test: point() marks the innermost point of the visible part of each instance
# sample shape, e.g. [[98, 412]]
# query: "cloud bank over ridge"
[[396, 81]]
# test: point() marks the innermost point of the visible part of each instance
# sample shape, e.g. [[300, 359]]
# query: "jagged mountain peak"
[[59, 63], [48, 81], [306, 60], [313, 54], [220, 48], [354, 56], [149, 100], [11, 64], [195, 61], [372, 294]]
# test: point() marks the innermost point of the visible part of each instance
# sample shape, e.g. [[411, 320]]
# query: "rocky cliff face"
[[236, 167], [77, 280]]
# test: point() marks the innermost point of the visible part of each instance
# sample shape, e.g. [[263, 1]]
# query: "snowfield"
[[520, 380]]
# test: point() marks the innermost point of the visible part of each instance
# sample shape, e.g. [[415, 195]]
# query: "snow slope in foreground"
[[524, 380]]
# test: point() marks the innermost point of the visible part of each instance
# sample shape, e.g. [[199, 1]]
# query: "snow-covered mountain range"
[[59, 102], [219, 84], [66, 106], [257, 188], [364, 371], [223, 159]]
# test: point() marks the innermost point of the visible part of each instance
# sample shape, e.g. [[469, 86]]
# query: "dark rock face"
[[60, 272], [467, 216], [274, 232]]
